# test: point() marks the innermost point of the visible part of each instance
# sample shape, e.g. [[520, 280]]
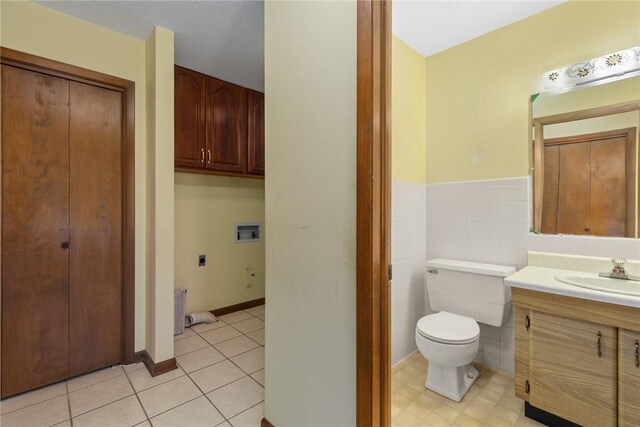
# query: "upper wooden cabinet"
[[226, 106], [189, 107], [219, 126], [255, 145]]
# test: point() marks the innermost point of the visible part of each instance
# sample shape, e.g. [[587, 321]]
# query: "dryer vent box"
[[246, 233]]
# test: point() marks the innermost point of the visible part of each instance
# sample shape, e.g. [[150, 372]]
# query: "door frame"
[[373, 209], [127, 88]]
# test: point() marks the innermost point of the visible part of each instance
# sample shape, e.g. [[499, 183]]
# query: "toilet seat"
[[448, 328]]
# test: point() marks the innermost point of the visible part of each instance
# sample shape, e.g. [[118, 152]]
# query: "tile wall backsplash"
[[408, 256], [488, 221]]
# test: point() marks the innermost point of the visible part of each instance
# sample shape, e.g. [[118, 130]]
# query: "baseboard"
[[237, 307], [545, 417], [265, 423], [154, 368]]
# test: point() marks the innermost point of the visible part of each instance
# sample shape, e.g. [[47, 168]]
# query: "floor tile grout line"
[[97, 382], [207, 397], [66, 386], [144, 411], [102, 406], [249, 408], [32, 404]]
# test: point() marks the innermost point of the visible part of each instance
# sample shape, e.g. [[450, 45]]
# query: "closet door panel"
[[608, 187], [96, 227], [35, 223], [574, 188]]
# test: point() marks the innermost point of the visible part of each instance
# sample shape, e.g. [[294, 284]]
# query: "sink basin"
[[604, 284]]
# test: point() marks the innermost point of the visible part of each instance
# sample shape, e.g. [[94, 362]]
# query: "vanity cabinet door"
[[522, 323], [628, 378], [573, 369]]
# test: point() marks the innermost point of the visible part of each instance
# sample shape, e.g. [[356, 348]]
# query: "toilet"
[[462, 294]]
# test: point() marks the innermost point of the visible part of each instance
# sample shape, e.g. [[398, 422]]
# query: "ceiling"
[[224, 39], [431, 26]]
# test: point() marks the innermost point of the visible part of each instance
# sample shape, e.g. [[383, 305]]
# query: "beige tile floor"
[[219, 382], [490, 402]]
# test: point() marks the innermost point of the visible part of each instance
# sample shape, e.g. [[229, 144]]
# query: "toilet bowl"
[[463, 293], [450, 343]]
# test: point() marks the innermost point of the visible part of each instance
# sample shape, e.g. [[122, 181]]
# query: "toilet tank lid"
[[471, 267]]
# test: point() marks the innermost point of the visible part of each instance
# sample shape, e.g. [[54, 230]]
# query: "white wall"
[[488, 221], [408, 241], [310, 192]]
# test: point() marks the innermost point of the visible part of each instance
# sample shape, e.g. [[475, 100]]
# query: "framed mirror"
[[586, 157]]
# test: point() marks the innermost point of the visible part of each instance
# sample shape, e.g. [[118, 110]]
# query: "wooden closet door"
[[225, 126], [574, 188], [608, 210], [35, 223], [95, 284]]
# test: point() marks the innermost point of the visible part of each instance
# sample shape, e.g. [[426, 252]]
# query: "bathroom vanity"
[[577, 349]]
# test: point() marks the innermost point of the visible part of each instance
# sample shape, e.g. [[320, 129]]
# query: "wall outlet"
[[250, 277], [202, 260]]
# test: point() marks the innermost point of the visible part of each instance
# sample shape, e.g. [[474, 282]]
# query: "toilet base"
[[450, 382]]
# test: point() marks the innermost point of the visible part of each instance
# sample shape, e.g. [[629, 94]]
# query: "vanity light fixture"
[[613, 66]]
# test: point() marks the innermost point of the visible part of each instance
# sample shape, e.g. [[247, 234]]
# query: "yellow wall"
[[477, 93], [310, 75], [206, 209], [408, 113], [41, 31]]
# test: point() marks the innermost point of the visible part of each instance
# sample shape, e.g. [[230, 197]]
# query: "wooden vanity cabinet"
[[628, 378], [573, 369], [219, 126], [576, 358]]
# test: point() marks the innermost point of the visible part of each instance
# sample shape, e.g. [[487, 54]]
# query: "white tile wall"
[[488, 221], [408, 256]]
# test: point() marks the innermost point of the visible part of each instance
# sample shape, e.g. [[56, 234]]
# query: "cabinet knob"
[[202, 155], [64, 245]]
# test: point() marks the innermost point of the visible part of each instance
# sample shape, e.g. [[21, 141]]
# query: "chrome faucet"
[[618, 271]]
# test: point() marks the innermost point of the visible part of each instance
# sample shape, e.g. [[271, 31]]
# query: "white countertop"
[[542, 279]]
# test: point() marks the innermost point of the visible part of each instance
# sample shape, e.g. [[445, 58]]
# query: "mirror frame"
[[538, 123]]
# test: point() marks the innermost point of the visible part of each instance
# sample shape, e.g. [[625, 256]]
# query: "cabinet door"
[[255, 130], [573, 369], [225, 126], [522, 351], [628, 378], [189, 118]]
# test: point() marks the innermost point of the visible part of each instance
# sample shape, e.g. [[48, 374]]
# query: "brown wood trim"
[[576, 139], [619, 316], [47, 66], [183, 169], [154, 368], [373, 365], [60, 69], [237, 307], [266, 423], [623, 107]]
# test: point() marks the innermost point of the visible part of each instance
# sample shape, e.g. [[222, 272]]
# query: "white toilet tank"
[[470, 289]]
